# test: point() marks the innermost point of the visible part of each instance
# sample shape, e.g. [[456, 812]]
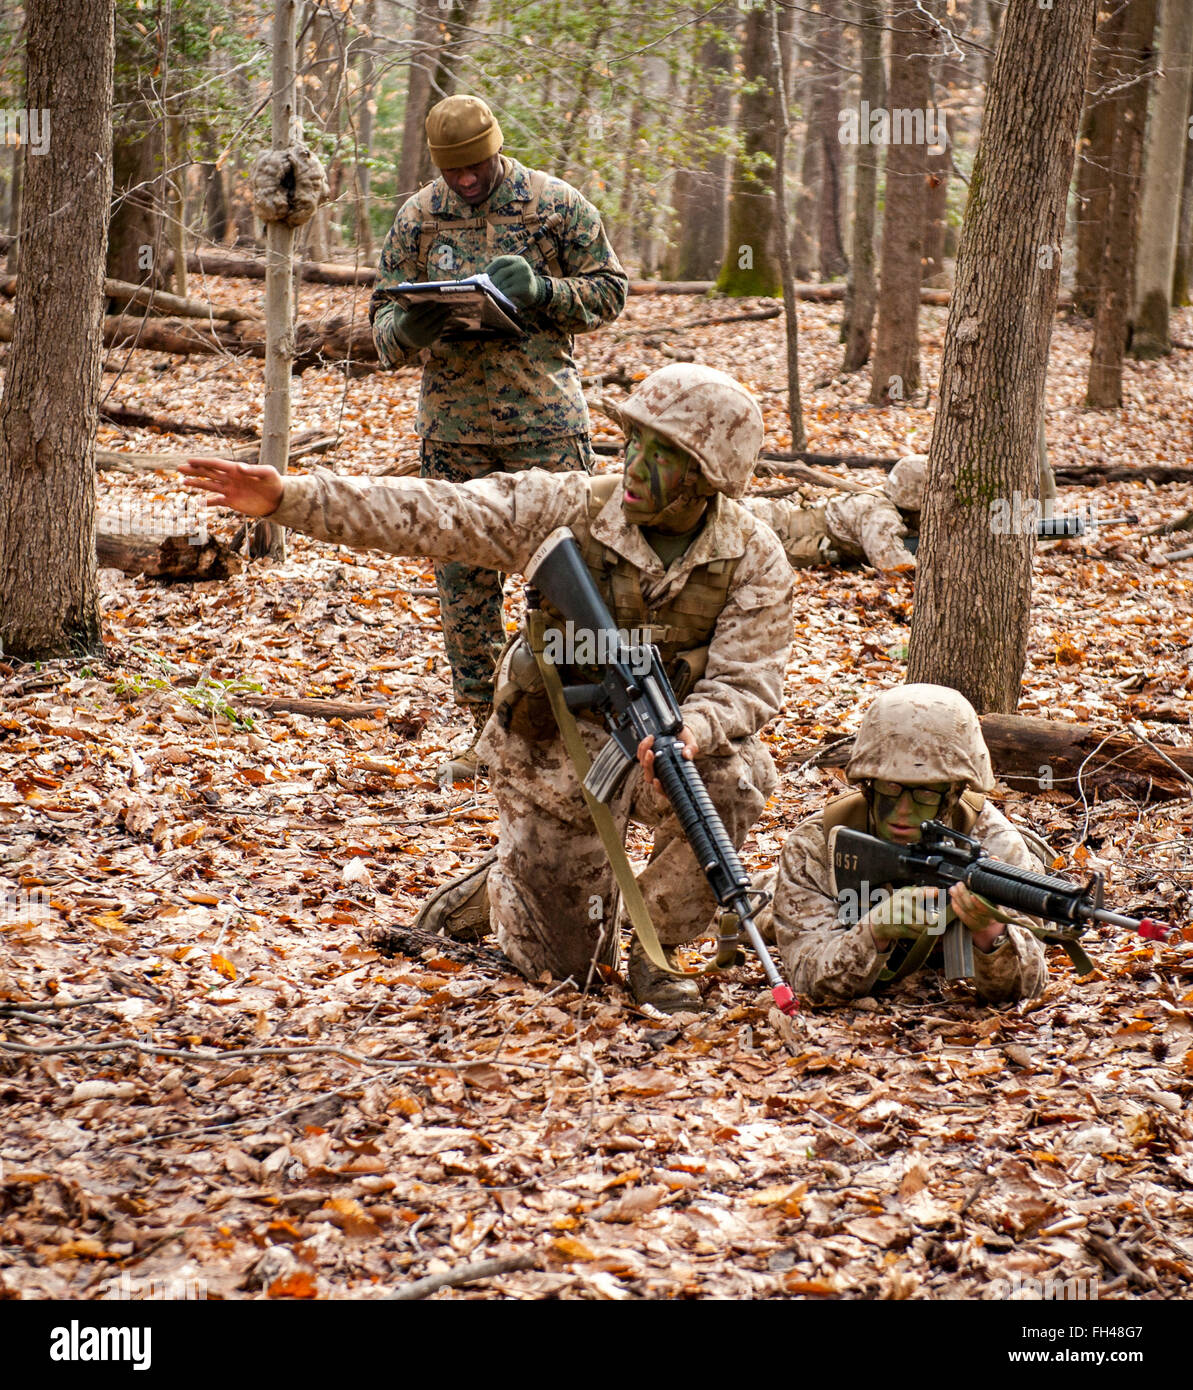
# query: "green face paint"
[[899, 816], [660, 477]]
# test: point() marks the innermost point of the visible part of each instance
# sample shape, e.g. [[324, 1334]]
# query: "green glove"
[[517, 280], [906, 914], [420, 326]]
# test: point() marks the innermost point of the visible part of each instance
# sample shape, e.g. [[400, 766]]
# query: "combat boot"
[[670, 994], [464, 765], [460, 907]]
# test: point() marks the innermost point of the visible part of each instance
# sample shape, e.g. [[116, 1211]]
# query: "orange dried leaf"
[[300, 1284], [223, 965], [572, 1249]]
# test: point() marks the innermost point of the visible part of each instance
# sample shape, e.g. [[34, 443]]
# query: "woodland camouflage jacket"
[[503, 392], [500, 521]]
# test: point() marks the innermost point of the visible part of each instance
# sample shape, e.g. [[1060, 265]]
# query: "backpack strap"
[[537, 227]]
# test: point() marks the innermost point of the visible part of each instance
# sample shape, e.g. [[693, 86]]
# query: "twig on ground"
[[1137, 729], [463, 1274]]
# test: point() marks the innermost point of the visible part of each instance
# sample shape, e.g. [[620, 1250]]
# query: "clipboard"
[[478, 308]]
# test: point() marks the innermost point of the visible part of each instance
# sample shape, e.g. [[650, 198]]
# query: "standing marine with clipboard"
[[491, 402]]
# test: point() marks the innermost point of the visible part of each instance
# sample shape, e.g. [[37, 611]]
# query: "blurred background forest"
[[659, 113]]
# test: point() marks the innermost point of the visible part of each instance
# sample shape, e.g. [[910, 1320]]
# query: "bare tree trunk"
[[623, 232], [1115, 288], [443, 77], [1094, 162], [699, 194], [806, 221], [48, 592], [364, 130], [936, 215], [1182, 271], [135, 241], [279, 293], [1163, 171], [861, 291], [215, 192], [418, 92], [895, 373], [973, 588], [827, 129], [175, 199], [795, 413], [14, 209], [323, 87], [750, 267]]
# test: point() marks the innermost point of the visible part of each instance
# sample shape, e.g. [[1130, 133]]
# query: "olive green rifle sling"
[[602, 817]]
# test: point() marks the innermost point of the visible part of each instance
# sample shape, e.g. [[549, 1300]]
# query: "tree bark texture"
[[699, 194], [896, 369], [48, 412], [936, 216], [827, 127], [1115, 284], [135, 241], [279, 280], [1094, 158], [174, 558], [448, 19], [861, 292], [795, 412], [973, 587], [1182, 271], [364, 130], [418, 91], [1163, 172], [14, 209], [750, 266]]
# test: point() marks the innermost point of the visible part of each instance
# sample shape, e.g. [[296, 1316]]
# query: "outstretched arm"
[[496, 522], [252, 488]]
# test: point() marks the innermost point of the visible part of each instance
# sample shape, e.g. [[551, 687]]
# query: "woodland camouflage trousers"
[[552, 891], [470, 597]]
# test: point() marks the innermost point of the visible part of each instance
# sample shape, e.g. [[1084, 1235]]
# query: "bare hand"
[[252, 488], [981, 917], [646, 756]]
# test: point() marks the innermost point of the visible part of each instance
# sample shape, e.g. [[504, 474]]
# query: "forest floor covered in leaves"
[[226, 1063]]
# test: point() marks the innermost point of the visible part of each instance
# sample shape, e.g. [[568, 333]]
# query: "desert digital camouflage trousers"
[[470, 597], [552, 892]]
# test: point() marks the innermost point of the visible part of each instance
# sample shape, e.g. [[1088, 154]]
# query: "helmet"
[[921, 733], [905, 483], [462, 131], [705, 412]]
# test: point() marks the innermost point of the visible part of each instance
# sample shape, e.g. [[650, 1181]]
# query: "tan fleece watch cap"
[[462, 131]]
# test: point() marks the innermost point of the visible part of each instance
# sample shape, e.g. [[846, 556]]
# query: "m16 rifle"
[[635, 701], [865, 868]]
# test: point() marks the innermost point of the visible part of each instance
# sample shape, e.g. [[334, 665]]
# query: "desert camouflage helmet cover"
[[905, 483], [921, 733], [705, 412]]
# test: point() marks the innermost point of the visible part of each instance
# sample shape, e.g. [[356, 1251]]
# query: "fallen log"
[[1094, 474], [173, 558], [119, 414], [313, 708], [308, 442], [252, 267], [1034, 755], [824, 460], [184, 337], [158, 301], [1071, 475]]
